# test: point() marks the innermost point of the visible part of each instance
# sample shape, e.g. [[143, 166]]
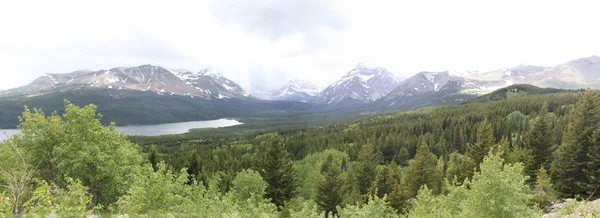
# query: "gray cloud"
[[276, 18]]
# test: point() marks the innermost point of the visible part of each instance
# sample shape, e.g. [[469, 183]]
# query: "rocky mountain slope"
[[424, 82], [205, 84], [296, 90], [576, 74], [361, 83]]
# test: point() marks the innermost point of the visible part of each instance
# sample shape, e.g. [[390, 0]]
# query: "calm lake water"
[[157, 129]]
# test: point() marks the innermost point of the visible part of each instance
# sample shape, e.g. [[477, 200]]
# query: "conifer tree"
[[386, 180], [458, 138], [540, 143], [422, 170], [193, 168], [571, 159], [368, 159], [403, 157], [153, 159], [592, 169], [275, 167], [459, 166], [329, 187], [485, 141]]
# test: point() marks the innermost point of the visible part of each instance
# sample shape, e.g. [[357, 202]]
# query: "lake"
[[158, 129]]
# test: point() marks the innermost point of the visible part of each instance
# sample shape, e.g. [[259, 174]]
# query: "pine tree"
[[275, 166], [329, 187], [153, 159], [422, 170], [485, 141], [458, 139], [193, 168], [386, 180], [403, 157], [571, 159], [592, 169], [368, 159], [540, 143], [459, 166]]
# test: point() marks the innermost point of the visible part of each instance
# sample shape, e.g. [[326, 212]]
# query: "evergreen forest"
[[508, 154]]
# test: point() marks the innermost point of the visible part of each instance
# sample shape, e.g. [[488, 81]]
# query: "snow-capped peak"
[[303, 86], [211, 73], [361, 83]]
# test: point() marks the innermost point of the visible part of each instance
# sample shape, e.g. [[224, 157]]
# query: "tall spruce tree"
[[329, 187], [540, 143], [275, 167], [570, 169], [422, 170], [485, 141], [193, 168], [592, 169], [386, 180], [368, 159], [592, 149]]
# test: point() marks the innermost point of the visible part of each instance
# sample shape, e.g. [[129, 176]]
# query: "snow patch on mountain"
[[361, 83], [205, 84]]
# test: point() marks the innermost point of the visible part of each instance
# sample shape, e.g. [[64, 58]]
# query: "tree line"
[[507, 158]]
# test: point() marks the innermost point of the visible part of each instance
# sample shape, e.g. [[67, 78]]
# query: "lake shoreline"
[[156, 129]]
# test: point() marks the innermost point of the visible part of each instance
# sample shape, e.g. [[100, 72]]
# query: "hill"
[[516, 90]]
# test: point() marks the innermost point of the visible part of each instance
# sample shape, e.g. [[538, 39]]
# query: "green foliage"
[[309, 171], [160, 192], [515, 90], [368, 159], [248, 186], [572, 169], [387, 180], [422, 170], [76, 144], [364, 154], [543, 191], [309, 209], [163, 192], [485, 141], [498, 190], [540, 143], [16, 174], [329, 194], [459, 166], [426, 205], [592, 169], [375, 207], [275, 166], [49, 200], [5, 205]]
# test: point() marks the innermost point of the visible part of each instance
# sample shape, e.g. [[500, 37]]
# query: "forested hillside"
[[502, 157]]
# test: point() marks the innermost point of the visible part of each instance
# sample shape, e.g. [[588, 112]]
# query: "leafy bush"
[[50, 199], [375, 207], [497, 190]]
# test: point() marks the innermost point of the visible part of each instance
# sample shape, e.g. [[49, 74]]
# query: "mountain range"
[[205, 83], [363, 88], [361, 84]]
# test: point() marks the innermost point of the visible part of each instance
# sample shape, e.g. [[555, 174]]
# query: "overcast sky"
[[268, 42]]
